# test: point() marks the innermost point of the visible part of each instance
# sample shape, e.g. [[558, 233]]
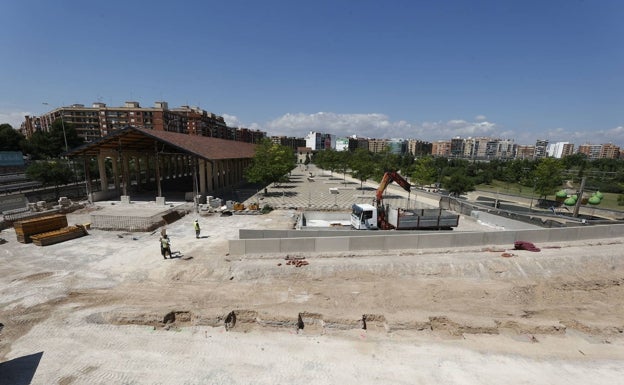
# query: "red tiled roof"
[[143, 140], [203, 146]]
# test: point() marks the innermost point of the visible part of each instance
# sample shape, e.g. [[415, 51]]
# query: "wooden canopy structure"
[[146, 156]]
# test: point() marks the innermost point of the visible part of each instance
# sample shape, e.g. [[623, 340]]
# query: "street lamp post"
[[532, 193], [62, 125]]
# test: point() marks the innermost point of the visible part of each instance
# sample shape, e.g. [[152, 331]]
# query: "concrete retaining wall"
[[383, 242]]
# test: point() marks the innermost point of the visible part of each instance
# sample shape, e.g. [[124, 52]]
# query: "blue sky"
[[521, 70]]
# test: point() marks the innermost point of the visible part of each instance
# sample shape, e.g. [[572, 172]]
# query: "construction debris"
[[523, 245], [296, 261]]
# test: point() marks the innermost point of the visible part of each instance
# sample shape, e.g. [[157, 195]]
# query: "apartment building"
[[457, 147], [99, 120], [289, 141], [441, 148], [591, 150], [541, 148], [609, 151], [505, 149], [560, 149], [419, 147], [377, 145], [525, 152]]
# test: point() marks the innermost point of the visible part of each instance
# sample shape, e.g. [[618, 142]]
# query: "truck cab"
[[364, 217]]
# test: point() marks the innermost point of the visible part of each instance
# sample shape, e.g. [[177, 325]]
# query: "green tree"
[[271, 163], [386, 161], [330, 160], [50, 173], [424, 171], [548, 176], [459, 183], [48, 145], [10, 139], [362, 165], [59, 132]]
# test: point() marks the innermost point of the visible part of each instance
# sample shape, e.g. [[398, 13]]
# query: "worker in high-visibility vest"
[[165, 246], [196, 226]]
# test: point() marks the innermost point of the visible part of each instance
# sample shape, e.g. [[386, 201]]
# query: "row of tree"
[[43, 150], [41, 145], [459, 176]]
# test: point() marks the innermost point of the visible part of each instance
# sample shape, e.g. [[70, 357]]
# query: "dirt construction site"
[[106, 308]]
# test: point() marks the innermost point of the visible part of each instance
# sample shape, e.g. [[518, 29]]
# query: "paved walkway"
[[324, 191]]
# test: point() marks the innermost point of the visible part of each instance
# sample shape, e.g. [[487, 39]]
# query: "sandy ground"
[[107, 309]]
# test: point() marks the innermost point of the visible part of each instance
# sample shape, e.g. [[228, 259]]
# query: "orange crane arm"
[[389, 177]]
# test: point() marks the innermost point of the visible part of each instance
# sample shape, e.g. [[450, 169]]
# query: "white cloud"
[[614, 135], [372, 125], [231, 120], [14, 118], [375, 125]]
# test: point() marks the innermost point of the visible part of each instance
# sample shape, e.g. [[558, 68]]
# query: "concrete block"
[[332, 244], [563, 234], [376, 242], [236, 247], [125, 199], [402, 242], [616, 230], [467, 239], [436, 240], [160, 201], [601, 231], [296, 245], [533, 236], [260, 246], [499, 238]]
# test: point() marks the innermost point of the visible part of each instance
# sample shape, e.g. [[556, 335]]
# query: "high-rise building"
[[525, 152], [591, 150], [541, 147], [377, 145], [441, 148], [609, 151], [560, 149], [419, 147], [457, 147], [505, 149]]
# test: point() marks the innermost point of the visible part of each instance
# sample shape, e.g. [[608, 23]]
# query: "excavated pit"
[[243, 320]]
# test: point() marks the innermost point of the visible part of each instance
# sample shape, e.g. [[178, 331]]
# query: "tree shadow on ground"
[[277, 194]]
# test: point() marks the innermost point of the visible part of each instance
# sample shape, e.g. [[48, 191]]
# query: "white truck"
[[368, 217], [364, 217]]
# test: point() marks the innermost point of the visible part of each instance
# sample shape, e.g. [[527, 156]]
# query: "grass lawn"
[[609, 201]]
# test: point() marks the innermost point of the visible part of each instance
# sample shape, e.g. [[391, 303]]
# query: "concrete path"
[[318, 189]]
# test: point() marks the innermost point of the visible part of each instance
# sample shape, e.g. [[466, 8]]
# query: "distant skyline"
[[521, 70]]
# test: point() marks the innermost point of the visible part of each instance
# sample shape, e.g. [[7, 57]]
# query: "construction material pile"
[[47, 230], [60, 235]]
